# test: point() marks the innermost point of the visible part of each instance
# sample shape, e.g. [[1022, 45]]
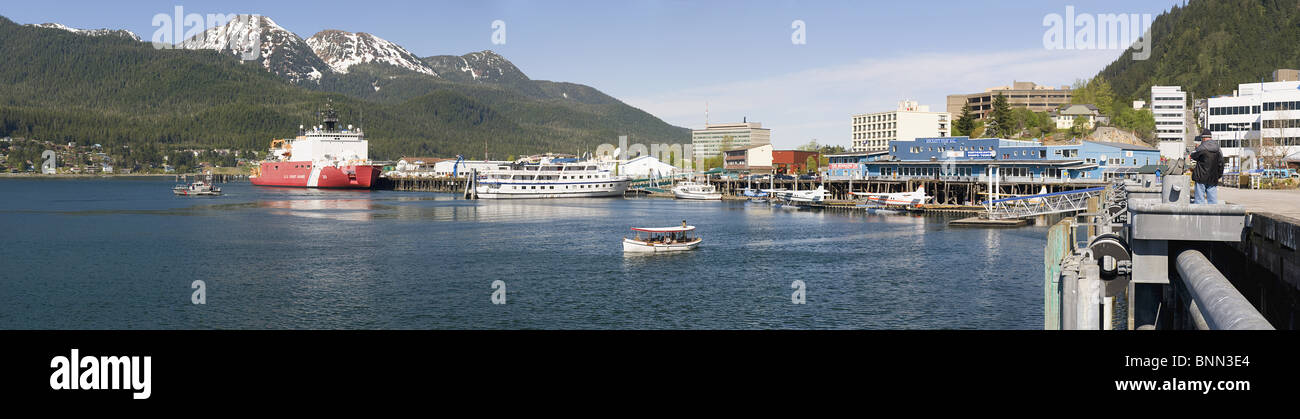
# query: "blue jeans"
[[1206, 194]]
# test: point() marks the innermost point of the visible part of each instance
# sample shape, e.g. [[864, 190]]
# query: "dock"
[[985, 222], [946, 190], [952, 197], [423, 184], [1145, 258]]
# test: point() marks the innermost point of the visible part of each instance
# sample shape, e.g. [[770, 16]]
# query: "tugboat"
[[200, 187], [324, 156]]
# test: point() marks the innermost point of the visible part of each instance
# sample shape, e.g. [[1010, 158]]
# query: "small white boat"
[[662, 239], [198, 188], [692, 190]]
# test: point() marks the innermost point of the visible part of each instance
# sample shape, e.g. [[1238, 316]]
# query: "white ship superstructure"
[[550, 180]]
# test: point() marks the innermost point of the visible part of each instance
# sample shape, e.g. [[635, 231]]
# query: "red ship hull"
[[303, 174]]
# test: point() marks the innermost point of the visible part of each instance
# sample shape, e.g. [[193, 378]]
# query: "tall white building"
[[1169, 106], [1258, 120], [874, 131], [714, 138]]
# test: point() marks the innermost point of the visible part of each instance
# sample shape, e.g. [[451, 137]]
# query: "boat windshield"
[[676, 237]]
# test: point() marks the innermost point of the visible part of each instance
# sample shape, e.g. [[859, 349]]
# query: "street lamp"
[[1241, 128]]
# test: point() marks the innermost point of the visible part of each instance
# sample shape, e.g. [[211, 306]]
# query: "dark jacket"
[[1209, 163]]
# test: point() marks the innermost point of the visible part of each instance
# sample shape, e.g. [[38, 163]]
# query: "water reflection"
[[330, 209]]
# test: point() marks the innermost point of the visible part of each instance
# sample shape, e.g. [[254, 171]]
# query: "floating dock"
[[985, 222]]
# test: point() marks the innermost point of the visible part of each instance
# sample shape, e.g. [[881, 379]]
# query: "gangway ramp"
[[1042, 204]]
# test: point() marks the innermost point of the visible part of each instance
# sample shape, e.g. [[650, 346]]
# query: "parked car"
[[1280, 173]]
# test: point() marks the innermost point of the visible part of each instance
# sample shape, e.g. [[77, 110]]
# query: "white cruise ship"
[[549, 180]]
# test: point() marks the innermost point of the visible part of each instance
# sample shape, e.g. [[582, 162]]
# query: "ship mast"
[[331, 118]]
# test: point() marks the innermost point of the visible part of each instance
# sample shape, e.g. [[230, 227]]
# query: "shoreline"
[[89, 176]]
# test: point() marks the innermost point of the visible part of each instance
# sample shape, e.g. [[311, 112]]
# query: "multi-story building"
[[1258, 120], [715, 138], [1169, 106], [749, 159], [792, 161], [874, 131], [1021, 94]]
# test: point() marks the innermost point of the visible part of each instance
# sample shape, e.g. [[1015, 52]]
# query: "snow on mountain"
[[258, 37], [341, 50], [91, 32], [484, 66]]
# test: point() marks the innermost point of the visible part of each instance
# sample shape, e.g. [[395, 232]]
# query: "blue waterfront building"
[[974, 159]]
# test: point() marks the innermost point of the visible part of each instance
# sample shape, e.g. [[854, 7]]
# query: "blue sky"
[[671, 57]]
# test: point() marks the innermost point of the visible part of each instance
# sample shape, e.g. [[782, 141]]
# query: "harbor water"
[[123, 253]]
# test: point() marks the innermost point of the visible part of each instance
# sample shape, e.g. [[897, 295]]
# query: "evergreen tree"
[[965, 124], [1001, 123], [1103, 97]]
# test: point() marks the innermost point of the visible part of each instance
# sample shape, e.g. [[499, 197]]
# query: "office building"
[[874, 131], [1169, 106], [715, 138], [1259, 120], [1021, 94]]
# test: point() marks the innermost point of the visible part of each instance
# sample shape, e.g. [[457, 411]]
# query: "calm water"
[[122, 253]]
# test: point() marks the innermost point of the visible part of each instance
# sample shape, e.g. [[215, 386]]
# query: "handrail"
[[1221, 305]]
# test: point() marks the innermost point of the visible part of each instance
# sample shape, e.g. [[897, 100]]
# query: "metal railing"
[[1216, 303], [1032, 205]]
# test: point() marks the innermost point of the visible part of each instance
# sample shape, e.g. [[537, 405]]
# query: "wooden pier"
[[423, 184], [956, 197]]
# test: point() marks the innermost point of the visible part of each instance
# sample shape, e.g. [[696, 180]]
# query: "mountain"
[[91, 32], [128, 95], [1209, 47], [281, 52], [484, 66], [341, 50]]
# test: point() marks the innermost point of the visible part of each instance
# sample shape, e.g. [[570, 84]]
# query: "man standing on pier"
[[1208, 170]]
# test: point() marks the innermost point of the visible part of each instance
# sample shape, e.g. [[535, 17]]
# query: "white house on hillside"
[[1065, 118]]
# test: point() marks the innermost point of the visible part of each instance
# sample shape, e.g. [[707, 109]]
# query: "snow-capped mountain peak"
[[341, 50], [258, 37], [91, 32]]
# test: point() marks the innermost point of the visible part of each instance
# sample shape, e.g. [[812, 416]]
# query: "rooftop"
[[1080, 110], [426, 160], [1123, 146], [747, 147]]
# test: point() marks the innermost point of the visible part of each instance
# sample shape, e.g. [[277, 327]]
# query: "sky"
[[675, 58]]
